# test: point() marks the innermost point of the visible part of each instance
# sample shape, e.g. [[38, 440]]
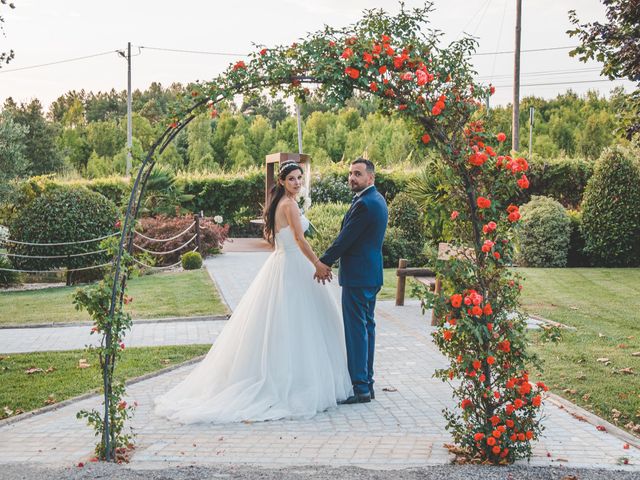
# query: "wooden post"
[[402, 281], [436, 291], [196, 218]]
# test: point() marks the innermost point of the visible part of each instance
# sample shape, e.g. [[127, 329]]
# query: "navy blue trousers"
[[358, 305]]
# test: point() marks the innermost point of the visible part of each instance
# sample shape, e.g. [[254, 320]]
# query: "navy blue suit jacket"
[[359, 243]]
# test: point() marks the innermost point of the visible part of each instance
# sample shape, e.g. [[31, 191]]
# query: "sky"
[[42, 32]]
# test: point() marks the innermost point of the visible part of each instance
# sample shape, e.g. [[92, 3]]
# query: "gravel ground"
[[448, 472]]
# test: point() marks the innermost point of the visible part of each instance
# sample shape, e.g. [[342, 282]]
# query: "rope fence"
[[59, 244], [165, 239], [7, 241], [167, 251]]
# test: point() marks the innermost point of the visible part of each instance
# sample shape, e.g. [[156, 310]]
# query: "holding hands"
[[323, 272]]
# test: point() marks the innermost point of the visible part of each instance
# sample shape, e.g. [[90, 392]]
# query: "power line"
[[542, 73], [229, 54], [561, 83], [523, 51], [59, 62], [201, 52]]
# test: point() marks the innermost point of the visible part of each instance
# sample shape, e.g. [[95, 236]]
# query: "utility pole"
[[129, 128], [299, 121], [515, 124]]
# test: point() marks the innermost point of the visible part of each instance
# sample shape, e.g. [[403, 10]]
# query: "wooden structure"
[[425, 276], [422, 275]]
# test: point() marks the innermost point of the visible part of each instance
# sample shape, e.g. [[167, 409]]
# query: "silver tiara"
[[287, 164]]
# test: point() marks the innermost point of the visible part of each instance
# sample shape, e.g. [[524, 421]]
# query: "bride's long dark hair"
[[277, 192]]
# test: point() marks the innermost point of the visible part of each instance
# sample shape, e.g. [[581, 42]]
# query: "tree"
[[40, 145], [5, 57], [106, 138], [200, 151], [615, 43], [13, 162]]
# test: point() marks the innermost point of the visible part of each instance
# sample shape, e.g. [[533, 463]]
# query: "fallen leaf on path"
[[578, 417], [51, 399], [560, 459], [626, 446], [569, 477], [601, 428], [389, 389]]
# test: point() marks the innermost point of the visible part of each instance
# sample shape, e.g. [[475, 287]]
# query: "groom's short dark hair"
[[371, 168]]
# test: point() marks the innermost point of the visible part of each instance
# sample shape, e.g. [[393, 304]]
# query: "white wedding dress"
[[282, 353]]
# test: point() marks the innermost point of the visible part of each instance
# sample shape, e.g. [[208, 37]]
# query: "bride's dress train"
[[282, 353]]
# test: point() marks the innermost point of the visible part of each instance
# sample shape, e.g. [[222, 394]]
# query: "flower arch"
[[399, 60]]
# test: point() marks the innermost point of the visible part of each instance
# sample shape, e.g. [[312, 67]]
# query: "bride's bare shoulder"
[[288, 205]]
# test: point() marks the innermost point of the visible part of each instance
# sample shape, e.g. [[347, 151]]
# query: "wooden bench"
[[422, 275], [425, 276]]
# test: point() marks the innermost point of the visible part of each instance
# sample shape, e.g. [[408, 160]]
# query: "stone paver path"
[[402, 427], [18, 340]]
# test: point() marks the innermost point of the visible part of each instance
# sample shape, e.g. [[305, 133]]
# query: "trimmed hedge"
[[611, 210], [563, 179], [405, 237], [543, 237], [238, 198], [326, 217]]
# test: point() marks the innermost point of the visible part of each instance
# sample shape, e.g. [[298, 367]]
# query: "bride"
[[282, 353]]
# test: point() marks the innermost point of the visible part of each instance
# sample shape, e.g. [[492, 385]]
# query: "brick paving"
[[402, 427]]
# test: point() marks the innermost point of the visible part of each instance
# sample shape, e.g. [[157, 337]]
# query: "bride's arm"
[[292, 213]]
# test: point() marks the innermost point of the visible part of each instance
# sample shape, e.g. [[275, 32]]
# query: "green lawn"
[[604, 306], [390, 279], [62, 379], [178, 294]]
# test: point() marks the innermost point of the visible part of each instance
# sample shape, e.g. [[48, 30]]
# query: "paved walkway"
[[402, 427], [232, 272]]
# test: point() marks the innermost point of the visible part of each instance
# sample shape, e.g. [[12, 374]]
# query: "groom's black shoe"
[[371, 392], [357, 398]]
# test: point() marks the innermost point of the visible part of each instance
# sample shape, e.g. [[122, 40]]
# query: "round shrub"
[[63, 215], [191, 261], [611, 210], [543, 238]]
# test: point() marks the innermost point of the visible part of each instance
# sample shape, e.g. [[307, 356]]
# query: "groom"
[[359, 248]]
